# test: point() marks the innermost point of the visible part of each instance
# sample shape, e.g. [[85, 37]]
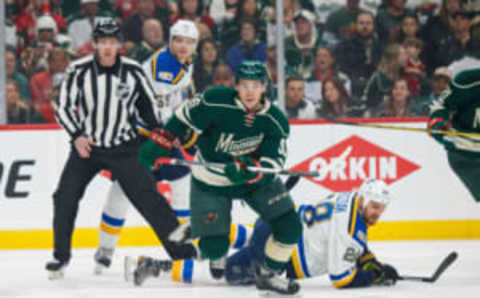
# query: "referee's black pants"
[[136, 182]]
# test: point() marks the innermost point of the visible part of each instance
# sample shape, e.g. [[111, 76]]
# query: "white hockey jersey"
[[170, 81], [334, 237]]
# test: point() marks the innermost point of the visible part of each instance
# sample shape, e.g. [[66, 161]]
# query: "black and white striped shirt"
[[104, 103]]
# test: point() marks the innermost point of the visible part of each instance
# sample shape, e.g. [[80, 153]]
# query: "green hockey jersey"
[[227, 130], [460, 102]]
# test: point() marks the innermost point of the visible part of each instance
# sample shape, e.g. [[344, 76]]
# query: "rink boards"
[[429, 200]]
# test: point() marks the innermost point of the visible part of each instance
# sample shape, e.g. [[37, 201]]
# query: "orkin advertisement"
[[345, 165], [429, 200]]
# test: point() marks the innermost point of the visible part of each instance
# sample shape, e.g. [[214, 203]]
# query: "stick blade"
[[444, 265]]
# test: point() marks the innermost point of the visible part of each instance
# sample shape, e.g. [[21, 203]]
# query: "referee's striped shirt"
[[104, 103]]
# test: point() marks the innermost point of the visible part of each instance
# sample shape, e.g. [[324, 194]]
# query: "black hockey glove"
[[384, 274]]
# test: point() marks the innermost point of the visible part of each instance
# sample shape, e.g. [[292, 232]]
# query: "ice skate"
[[217, 267], [144, 267], [269, 282], [56, 269], [103, 259]]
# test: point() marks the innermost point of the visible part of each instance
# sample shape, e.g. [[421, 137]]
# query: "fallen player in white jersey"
[[334, 242]]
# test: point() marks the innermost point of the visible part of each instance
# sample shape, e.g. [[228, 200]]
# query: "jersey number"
[[315, 214]]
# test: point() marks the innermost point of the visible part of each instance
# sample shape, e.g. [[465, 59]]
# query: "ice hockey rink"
[[23, 275]]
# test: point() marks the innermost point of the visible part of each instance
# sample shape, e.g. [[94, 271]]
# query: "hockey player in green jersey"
[[458, 109], [238, 127]]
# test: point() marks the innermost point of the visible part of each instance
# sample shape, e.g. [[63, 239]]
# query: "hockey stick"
[[183, 162], [404, 128], [441, 268], [335, 162]]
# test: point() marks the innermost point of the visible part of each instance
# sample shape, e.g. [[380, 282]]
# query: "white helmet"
[[184, 28], [374, 190], [46, 22]]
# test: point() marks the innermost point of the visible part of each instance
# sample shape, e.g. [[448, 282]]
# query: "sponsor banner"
[[415, 167]]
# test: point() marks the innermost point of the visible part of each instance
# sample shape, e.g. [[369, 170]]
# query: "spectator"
[[389, 20], [132, 27], [18, 111], [230, 29], [125, 8], [223, 76], [152, 41], [193, 10], [248, 48], [222, 10], [397, 104], [321, 8], [205, 64], [441, 79], [301, 47], [409, 29], [35, 56], [289, 9], [204, 31], [335, 100], [341, 22], [69, 7], [26, 22], [11, 13], [358, 55], [296, 104], [271, 67], [81, 23], [325, 66], [12, 73], [415, 70], [436, 29], [380, 84], [458, 43], [41, 84]]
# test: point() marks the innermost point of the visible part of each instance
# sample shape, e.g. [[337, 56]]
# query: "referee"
[[101, 98]]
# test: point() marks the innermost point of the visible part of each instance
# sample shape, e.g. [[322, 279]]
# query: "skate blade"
[[129, 267], [56, 275], [273, 294]]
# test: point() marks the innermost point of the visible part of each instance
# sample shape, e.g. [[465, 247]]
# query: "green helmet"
[[251, 70]]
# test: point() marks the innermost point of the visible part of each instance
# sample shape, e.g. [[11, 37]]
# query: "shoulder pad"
[[219, 94], [165, 68], [466, 79], [279, 117]]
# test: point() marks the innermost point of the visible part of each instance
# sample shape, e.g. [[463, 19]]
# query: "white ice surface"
[[23, 275]]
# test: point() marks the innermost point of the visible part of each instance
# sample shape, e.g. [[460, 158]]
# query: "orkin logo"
[[345, 165]]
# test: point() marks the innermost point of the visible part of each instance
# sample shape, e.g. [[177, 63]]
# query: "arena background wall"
[[429, 200]]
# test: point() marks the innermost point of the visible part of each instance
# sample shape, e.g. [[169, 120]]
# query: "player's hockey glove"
[[237, 172], [164, 138], [384, 274], [160, 145], [439, 123], [149, 152]]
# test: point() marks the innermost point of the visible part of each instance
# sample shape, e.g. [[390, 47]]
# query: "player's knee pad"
[[240, 268], [214, 247], [287, 228]]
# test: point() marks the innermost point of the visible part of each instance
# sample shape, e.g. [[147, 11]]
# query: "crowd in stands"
[[344, 58]]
